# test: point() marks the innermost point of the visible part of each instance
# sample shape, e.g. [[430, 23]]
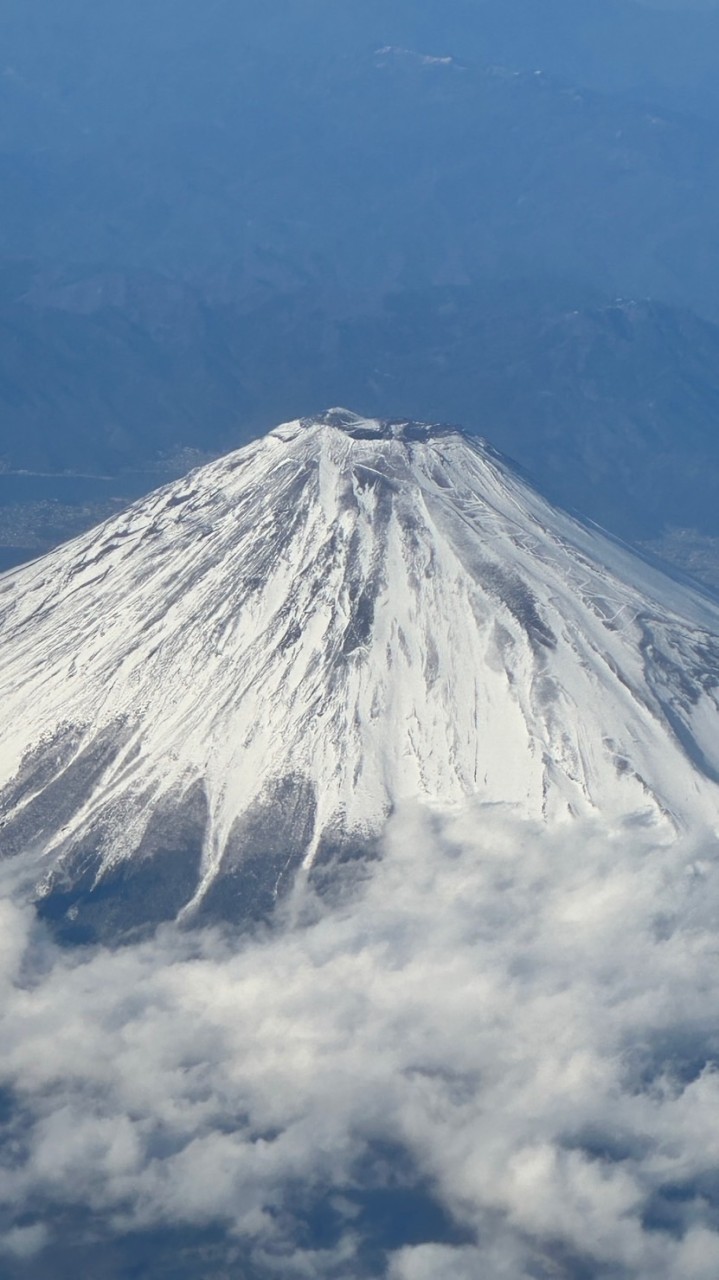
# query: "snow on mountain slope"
[[248, 669]]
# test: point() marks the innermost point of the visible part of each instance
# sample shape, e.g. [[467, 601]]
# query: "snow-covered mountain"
[[248, 670]]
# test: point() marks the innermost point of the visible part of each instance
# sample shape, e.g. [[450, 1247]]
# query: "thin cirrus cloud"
[[517, 1026]]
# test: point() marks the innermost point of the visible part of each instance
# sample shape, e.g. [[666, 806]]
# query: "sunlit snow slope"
[[248, 669]]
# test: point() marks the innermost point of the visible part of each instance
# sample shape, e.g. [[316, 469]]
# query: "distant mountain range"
[[365, 167], [215, 221], [611, 407]]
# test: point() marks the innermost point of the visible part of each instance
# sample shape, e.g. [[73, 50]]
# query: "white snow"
[[386, 612]]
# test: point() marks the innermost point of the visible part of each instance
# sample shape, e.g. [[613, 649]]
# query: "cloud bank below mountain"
[[508, 1032]]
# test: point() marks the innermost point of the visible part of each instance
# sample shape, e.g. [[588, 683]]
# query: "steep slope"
[[250, 668]]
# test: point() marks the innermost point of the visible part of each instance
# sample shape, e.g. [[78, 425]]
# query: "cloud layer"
[[508, 1034]]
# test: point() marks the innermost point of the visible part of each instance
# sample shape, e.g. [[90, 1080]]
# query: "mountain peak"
[[358, 427], [242, 675]]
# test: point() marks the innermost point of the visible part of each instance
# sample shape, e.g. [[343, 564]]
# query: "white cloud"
[[530, 1017], [24, 1242]]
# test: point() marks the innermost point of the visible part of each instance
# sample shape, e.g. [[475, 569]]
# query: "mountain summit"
[[247, 671]]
